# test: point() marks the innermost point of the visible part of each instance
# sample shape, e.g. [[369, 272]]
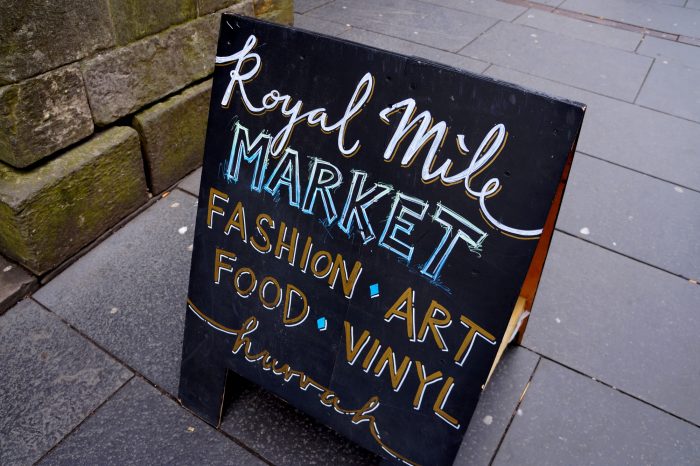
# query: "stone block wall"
[[103, 104]]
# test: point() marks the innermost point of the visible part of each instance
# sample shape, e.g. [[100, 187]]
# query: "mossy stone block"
[[15, 283], [239, 7], [50, 212], [134, 19], [121, 81], [209, 6], [39, 35], [42, 115], [278, 11], [172, 135]]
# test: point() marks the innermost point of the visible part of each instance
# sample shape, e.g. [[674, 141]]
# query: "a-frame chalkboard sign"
[[366, 221]]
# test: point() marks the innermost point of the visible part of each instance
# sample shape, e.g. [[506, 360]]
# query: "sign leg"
[[202, 379]]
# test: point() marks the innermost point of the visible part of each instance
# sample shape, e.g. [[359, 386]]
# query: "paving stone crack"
[[646, 76], [137, 373], [636, 259], [617, 389], [597, 157], [515, 411], [82, 421]]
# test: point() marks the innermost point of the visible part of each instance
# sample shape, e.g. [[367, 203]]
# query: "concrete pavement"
[[608, 372]]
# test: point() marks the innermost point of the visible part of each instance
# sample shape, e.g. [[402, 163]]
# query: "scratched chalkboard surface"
[[364, 226]]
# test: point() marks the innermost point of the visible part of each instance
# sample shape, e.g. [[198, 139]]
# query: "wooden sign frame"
[[365, 234]]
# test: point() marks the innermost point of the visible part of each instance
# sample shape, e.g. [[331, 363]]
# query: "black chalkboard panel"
[[365, 224]]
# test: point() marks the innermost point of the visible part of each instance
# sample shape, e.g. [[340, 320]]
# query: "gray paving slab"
[[675, 52], [553, 56], [625, 323], [496, 407], [141, 426], [689, 40], [311, 23], [583, 30], [626, 134], [664, 2], [490, 8], [129, 293], [303, 6], [567, 418], [190, 183], [435, 26], [15, 282], [52, 378], [409, 48], [672, 89], [634, 214], [286, 436], [652, 15], [693, 4]]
